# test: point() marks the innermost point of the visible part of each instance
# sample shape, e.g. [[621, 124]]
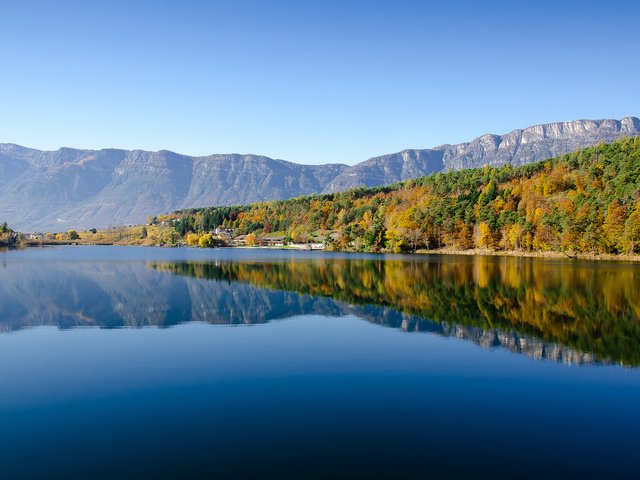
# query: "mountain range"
[[73, 188]]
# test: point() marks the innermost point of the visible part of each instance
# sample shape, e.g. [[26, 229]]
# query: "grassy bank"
[[525, 254]]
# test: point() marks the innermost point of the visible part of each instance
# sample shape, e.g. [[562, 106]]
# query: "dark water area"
[[120, 362]]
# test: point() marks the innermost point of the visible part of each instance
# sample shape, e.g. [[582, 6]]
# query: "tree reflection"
[[594, 308], [574, 312]]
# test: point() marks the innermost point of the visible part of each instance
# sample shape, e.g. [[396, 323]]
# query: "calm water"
[[176, 363]]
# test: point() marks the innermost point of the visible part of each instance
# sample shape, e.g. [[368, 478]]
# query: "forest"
[[584, 202]]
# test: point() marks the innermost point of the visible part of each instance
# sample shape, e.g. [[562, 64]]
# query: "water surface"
[[180, 363]]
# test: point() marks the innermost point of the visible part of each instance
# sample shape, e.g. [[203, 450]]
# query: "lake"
[[125, 362]]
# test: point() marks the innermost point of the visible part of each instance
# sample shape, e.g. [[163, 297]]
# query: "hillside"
[[586, 201], [67, 188]]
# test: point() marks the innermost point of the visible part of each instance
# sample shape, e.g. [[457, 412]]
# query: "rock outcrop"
[[517, 148]]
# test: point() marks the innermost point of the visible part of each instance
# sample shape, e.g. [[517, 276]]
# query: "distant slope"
[[83, 188], [86, 188]]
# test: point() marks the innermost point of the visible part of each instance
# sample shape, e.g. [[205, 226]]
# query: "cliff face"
[[518, 147], [537, 143], [71, 188]]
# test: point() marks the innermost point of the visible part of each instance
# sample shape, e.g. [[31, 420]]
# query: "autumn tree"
[[205, 241], [409, 228], [632, 230], [464, 237], [192, 239], [484, 237], [614, 226], [513, 237], [251, 240]]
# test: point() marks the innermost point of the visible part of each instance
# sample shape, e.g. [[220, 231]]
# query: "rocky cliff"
[[518, 147], [71, 188]]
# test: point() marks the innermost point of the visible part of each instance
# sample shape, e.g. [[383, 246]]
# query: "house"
[[272, 241], [239, 241], [227, 232]]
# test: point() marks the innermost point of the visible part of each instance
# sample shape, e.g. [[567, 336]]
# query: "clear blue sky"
[[310, 82]]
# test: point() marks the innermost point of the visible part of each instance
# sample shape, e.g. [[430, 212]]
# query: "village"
[[162, 233], [252, 240]]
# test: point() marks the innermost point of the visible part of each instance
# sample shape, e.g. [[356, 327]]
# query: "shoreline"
[[525, 254], [444, 251]]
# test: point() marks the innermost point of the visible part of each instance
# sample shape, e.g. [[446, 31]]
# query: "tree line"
[[587, 201]]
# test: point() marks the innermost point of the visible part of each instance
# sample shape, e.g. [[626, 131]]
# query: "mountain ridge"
[[83, 188]]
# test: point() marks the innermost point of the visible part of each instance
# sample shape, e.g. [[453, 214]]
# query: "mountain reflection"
[[571, 312]]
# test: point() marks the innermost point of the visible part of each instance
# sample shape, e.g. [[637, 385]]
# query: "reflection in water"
[[570, 312], [518, 303]]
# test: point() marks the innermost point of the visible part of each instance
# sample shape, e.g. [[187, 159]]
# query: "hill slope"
[[86, 188], [584, 202]]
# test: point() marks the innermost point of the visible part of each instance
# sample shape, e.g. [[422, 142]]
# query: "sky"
[[309, 82]]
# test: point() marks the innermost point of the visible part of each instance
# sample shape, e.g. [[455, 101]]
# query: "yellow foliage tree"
[[632, 230], [205, 241], [193, 239], [614, 226], [252, 240], [513, 237], [409, 228], [484, 237]]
